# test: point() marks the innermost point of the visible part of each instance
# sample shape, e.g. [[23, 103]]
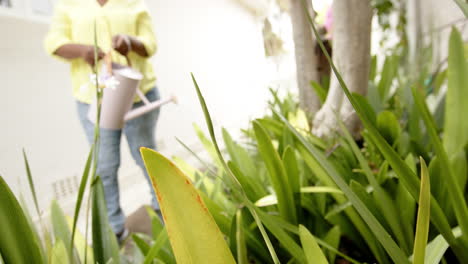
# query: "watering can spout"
[[148, 107]]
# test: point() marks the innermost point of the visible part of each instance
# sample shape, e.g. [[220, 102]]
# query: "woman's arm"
[[74, 51]]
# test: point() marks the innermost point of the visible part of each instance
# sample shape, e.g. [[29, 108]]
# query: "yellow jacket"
[[73, 22]]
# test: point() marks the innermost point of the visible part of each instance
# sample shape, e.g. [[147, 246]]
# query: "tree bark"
[[351, 55], [306, 59]]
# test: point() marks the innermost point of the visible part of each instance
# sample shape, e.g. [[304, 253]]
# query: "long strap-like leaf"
[[18, 245]]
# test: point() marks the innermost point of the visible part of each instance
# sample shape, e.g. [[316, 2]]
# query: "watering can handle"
[[129, 63], [142, 97], [108, 61]]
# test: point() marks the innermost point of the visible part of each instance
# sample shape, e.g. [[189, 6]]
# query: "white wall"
[[218, 40]]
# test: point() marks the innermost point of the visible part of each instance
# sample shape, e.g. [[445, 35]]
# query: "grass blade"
[[273, 224], [17, 242], [312, 250], [422, 226], [292, 169], [141, 244], [277, 173], [351, 213], [383, 200], [105, 247], [183, 208], [463, 6], [435, 250], [234, 183], [240, 240], [45, 232], [455, 194], [157, 246], [320, 91], [61, 230], [333, 239], [271, 199], [455, 137], [31, 184], [81, 190], [59, 253]]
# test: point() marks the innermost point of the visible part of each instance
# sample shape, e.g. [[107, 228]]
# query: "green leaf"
[[156, 223], [373, 68], [386, 208], [422, 226], [456, 125], [271, 199], [273, 224], [31, 184], [141, 244], [240, 239], [435, 250], [277, 173], [46, 239], [233, 181], [59, 253], [406, 206], [292, 169], [312, 250], [387, 75], [105, 245], [463, 6], [324, 176], [319, 91], [388, 126], [81, 190], [18, 244], [207, 144], [45, 232], [243, 168], [82, 247], [333, 239], [367, 109], [156, 247], [61, 229], [183, 208], [455, 194]]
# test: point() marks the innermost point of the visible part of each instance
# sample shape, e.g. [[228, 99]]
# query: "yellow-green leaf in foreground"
[[193, 233], [422, 226], [59, 253], [311, 249]]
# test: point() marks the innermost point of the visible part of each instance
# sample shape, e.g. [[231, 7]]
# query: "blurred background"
[[237, 49]]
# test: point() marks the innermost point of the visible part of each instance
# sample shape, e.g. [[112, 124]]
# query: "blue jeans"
[[139, 133]]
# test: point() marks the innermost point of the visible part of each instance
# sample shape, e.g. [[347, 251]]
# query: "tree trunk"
[[351, 55], [306, 59]]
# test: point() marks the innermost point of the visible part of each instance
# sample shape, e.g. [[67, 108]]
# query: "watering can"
[[116, 104]]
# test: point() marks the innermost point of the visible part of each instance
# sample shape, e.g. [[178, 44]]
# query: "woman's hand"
[[74, 51], [87, 53], [122, 44]]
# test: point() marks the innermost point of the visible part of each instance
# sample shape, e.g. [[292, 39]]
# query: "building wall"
[[218, 40]]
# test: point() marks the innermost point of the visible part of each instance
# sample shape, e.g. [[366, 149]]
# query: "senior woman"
[[124, 28]]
